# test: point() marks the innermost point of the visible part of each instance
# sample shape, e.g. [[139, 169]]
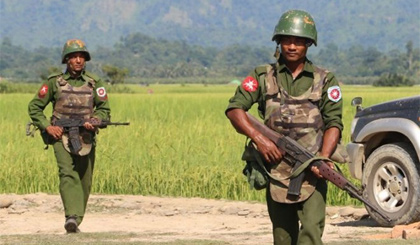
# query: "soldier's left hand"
[[89, 126], [315, 170]]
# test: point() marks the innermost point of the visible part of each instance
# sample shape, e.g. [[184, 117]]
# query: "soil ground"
[[39, 218]]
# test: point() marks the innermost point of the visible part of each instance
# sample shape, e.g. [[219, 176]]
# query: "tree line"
[[138, 58]]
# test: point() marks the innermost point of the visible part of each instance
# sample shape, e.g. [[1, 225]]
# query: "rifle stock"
[[298, 155]]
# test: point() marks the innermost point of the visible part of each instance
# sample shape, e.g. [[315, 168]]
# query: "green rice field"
[[179, 143]]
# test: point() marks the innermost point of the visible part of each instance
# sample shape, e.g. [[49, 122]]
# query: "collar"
[[67, 75], [308, 67]]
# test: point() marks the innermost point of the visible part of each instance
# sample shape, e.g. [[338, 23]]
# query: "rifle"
[[71, 126], [298, 155]]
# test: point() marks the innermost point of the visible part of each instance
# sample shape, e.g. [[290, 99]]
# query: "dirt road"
[[156, 219]]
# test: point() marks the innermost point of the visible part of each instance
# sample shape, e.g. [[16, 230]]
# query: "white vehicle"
[[385, 155]]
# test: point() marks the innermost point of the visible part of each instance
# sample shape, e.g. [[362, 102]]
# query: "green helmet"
[[73, 46], [296, 23]]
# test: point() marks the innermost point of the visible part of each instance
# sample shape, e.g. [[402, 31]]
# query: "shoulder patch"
[[334, 93], [250, 84], [101, 92], [43, 91]]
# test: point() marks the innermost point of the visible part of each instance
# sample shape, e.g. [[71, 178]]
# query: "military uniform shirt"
[[48, 93], [331, 111]]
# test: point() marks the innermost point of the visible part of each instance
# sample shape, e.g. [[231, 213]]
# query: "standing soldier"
[[302, 101], [79, 94]]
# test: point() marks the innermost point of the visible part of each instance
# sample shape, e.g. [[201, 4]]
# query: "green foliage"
[[9, 87], [115, 75], [120, 89], [160, 61], [3, 88], [358, 65], [50, 70], [393, 80], [17, 62]]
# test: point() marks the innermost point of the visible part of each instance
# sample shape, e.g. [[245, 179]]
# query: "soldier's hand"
[[268, 149], [89, 126], [315, 170], [55, 131]]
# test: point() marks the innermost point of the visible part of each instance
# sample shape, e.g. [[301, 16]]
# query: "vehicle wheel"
[[392, 184]]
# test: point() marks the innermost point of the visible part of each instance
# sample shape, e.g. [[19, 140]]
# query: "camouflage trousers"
[[311, 214], [75, 174]]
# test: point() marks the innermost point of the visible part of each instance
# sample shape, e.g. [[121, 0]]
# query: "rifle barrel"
[[116, 123], [353, 192]]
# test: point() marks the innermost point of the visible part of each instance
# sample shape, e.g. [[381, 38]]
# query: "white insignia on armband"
[[101, 92], [334, 93]]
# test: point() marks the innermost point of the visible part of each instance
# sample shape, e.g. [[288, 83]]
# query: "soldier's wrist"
[[257, 137]]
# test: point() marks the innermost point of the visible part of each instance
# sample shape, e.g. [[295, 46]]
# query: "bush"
[[393, 80], [11, 87]]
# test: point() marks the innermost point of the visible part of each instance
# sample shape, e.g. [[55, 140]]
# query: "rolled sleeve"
[[332, 111], [102, 107], [244, 99], [240, 100]]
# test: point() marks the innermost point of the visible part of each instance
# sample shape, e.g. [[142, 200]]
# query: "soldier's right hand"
[[268, 149], [55, 131]]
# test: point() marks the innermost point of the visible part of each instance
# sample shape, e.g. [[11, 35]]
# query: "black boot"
[[71, 225]]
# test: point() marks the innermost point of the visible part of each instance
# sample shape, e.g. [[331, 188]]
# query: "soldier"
[[75, 93], [298, 99]]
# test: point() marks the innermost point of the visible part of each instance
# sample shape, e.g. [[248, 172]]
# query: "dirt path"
[[168, 219]]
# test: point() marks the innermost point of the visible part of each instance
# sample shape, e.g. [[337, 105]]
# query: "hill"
[[386, 24]]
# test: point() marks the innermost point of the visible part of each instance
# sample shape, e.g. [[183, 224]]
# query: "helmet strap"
[[277, 52]]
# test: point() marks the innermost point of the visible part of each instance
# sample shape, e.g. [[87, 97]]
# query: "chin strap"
[[277, 53]]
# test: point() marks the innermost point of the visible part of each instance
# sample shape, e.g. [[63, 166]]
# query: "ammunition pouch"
[[78, 142], [46, 138], [254, 169]]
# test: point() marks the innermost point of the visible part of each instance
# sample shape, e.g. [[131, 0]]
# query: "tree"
[[393, 80], [409, 47], [116, 75]]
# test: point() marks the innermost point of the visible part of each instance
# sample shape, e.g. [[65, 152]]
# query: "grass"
[[179, 143]]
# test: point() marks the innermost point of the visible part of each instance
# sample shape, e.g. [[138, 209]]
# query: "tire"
[[391, 183]]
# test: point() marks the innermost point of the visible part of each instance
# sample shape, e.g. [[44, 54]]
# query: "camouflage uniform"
[[331, 117], [81, 97], [302, 108]]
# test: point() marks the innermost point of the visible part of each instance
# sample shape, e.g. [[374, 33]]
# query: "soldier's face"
[[293, 48], [76, 61]]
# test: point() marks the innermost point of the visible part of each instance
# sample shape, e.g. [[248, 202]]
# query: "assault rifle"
[[298, 155], [71, 126]]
